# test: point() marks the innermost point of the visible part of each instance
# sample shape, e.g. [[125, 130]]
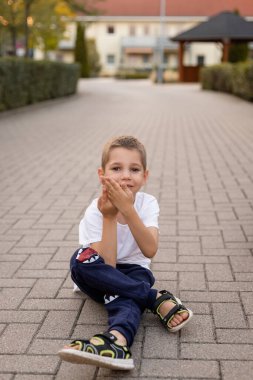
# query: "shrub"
[[132, 74], [217, 77], [242, 80], [24, 81], [236, 79]]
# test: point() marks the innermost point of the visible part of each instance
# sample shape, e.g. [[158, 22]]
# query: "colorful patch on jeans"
[[109, 298], [87, 255]]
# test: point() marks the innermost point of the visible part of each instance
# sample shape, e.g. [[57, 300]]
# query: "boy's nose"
[[125, 174]]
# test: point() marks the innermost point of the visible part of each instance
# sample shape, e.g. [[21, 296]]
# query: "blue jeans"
[[125, 290]]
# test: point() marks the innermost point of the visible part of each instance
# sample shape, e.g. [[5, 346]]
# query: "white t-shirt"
[[128, 252]]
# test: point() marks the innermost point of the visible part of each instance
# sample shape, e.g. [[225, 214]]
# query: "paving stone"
[[159, 344], [16, 283], [192, 281], [216, 351], [72, 371], [209, 296], [52, 328], [17, 337], [36, 262], [242, 264], [199, 329], [237, 370], [93, 313], [183, 368], [231, 286], [202, 259], [10, 298], [212, 242], [219, 272], [42, 273], [45, 288], [29, 363], [228, 315], [19, 316], [234, 336], [51, 304], [189, 248], [177, 267], [247, 299], [46, 346]]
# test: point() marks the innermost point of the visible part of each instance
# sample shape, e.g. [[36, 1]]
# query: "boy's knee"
[[85, 256]]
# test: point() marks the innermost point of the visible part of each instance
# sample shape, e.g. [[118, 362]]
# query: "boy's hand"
[[105, 206], [119, 195]]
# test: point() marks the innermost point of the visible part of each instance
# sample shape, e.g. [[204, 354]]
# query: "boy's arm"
[[107, 247], [146, 237]]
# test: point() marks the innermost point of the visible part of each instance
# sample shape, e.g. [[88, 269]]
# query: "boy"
[[119, 236]]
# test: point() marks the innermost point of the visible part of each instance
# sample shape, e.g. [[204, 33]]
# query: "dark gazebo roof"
[[220, 27]]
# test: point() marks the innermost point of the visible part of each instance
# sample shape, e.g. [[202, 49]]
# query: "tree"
[[238, 51], [11, 20], [93, 58], [39, 22], [81, 51]]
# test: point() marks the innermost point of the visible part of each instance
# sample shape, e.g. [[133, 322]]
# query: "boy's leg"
[[90, 272], [124, 314]]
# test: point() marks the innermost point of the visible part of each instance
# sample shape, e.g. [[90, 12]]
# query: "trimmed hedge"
[[236, 79], [132, 74], [24, 81]]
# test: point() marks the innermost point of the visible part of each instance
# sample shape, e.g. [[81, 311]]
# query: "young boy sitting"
[[119, 236]]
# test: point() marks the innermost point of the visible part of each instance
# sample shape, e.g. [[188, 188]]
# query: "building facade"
[[136, 34]]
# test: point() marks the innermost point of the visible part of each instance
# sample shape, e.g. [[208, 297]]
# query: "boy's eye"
[[135, 170], [115, 168]]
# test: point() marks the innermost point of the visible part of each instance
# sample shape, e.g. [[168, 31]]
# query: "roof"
[[225, 25], [173, 7]]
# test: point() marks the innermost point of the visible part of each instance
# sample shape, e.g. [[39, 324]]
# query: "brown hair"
[[128, 142]]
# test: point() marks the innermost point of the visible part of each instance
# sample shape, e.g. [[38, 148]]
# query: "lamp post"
[[160, 41]]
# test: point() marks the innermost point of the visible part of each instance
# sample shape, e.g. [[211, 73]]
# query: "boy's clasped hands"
[[115, 197]]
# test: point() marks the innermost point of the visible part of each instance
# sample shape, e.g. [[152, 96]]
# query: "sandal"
[[179, 308], [104, 353]]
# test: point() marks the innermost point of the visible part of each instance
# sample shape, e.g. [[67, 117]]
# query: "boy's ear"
[[146, 174], [100, 173]]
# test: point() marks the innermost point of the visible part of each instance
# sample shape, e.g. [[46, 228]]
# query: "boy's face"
[[125, 167]]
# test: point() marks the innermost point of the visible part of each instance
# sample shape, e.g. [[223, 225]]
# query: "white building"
[[135, 34]]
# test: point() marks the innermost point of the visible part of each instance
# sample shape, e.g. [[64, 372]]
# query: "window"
[[110, 59], [110, 29], [200, 60]]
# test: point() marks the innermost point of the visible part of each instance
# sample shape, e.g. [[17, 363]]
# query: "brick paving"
[[201, 161]]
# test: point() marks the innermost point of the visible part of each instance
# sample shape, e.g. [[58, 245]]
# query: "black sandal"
[[179, 308], [105, 353]]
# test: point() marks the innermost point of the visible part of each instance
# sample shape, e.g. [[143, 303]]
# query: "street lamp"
[[160, 41]]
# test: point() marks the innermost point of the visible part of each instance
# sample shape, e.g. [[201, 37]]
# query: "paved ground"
[[200, 147]]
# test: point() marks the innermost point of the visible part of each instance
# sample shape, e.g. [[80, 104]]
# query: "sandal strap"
[[165, 295], [177, 308], [108, 347]]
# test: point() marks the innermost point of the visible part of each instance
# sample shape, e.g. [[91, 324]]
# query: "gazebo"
[[225, 27]]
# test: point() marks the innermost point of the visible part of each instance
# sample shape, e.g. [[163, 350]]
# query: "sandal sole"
[[81, 357]]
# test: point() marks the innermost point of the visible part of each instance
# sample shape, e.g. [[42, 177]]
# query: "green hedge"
[[24, 81], [236, 79], [132, 74]]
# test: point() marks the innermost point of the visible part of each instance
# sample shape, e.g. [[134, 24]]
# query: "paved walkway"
[[200, 147]]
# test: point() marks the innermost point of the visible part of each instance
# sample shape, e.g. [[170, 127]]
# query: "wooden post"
[[181, 61], [226, 44]]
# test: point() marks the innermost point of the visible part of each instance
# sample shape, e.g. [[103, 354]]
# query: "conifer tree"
[[81, 51]]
